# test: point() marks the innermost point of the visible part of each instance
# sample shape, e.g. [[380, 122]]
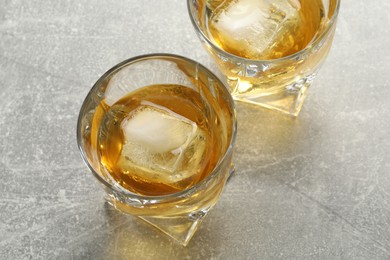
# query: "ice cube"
[[254, 26], [158, 141], [157, 129]]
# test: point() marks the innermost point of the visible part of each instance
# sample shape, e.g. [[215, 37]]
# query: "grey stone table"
[[315, 187]]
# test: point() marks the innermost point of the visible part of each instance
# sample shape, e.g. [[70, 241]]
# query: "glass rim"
[[172, 196], [289, 57]]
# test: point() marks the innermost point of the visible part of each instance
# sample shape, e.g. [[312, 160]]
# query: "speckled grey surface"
[[317, 187]]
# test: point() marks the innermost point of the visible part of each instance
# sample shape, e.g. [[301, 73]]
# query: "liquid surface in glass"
[[157, 140], [262, 29]]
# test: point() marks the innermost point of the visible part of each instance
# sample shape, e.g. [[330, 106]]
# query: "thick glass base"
[[288, 100], [180, 227]]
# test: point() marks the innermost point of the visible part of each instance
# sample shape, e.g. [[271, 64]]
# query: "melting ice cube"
[[253, 26], [157, 141], [158, 129]]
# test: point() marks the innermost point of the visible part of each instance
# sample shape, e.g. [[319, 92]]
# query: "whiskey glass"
[[178, 214], [276, 83]]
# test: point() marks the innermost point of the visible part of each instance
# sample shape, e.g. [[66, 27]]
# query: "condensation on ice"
[[157, 141], [256, 24]]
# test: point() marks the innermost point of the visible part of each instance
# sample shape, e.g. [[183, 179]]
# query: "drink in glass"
[[158, 132], [269, 50]]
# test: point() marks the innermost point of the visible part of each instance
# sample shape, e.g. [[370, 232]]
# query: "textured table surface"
[[315, 187]]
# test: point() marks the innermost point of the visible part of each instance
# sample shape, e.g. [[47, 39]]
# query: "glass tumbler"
[[179, 212], [277, 81]]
